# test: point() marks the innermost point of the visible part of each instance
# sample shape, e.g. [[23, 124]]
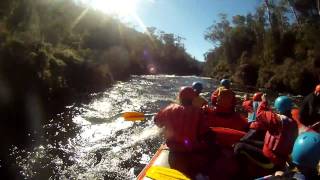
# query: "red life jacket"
[[279, 140], [225, 100], [182, 127]]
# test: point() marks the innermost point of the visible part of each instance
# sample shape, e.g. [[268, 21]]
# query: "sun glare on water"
[[121, 8]]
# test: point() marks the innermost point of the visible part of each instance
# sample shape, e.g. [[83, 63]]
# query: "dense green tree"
[[268, 48]]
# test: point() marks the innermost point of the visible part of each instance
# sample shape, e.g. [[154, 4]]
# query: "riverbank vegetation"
[[62, 46], [276, 47], [54, 52]]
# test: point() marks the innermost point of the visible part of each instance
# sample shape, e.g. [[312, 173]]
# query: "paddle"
[[315, 125], [159, 173], [135, 116]]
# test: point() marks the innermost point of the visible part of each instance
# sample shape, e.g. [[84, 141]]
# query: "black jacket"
[[310, 110]]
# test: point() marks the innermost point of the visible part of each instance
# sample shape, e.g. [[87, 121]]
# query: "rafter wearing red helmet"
[[183, 125]]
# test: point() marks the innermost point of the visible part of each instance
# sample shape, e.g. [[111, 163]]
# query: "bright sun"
[[118, 7]]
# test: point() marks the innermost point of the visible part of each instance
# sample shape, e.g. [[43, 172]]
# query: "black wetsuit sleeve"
[[251, 138], [249, 135], [306, 110]]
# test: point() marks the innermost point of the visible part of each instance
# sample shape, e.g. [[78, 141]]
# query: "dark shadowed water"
[[98, 143]]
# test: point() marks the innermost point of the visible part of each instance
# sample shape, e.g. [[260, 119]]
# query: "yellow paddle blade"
[[159, 173], [133, 116]]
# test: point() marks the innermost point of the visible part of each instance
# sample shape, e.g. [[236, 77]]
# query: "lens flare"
[[117, 7], [152, 69]]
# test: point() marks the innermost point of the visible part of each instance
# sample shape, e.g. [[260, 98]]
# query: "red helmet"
[[257, 96], [317, 89], [186, 93]]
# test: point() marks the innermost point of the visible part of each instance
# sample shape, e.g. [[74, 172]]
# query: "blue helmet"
[[306, 150], [197, 86], [283, 104], [225, 82]]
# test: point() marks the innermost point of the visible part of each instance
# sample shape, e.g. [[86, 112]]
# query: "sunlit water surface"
[[98, 143]]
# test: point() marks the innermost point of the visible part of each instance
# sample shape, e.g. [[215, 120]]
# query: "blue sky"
[[187, 18]]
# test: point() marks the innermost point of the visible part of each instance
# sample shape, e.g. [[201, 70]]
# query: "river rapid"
[[91, 141]]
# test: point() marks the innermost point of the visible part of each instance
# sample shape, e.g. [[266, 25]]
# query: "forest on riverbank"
[[55, 52], [60, 47], [57, 49], [276, 47]]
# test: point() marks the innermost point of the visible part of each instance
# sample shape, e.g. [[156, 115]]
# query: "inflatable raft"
[[231, 120], [159, 167]]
